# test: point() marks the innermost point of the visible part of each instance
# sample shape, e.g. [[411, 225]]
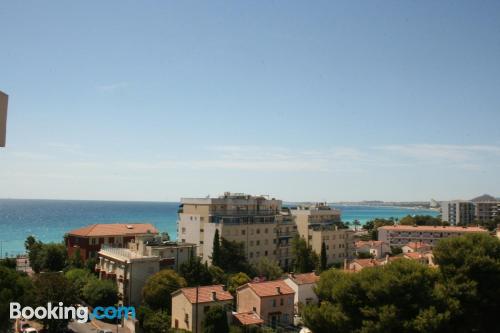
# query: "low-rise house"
[[303, 286], [377, 249], [89, 240], [272, 301], [425, 258], [128, 269], [419, 247], [189, 305], [357, 265]]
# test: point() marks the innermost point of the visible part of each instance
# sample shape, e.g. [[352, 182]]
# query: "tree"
[[29, 243], [195, 273], [76, 259], [216, 249], [236, 280], [267, 268], [157, 290], [14, 287], [372, 226], [100, 292], [78, 278], [232, 257], [420, 220], [356, 224], [470, 267], [218, 275], [323, 258], [49, 257], [53, 287], [399, 297], [305, 260], [215, 320], [154, 321]]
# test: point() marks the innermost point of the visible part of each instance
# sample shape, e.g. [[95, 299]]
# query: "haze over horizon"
[[344, 101]]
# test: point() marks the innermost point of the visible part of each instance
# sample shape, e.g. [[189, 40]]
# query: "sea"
[[49, 220]]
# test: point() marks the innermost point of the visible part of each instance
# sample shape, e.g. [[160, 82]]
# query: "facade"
[[357, 265], [377, 249], [4, 98], [272, 301], [303, 285], [128, 269], [486, 210], [255, 221], [189, 305], [316, 224], [400, 235], [458, 212], [89, 240], [416, 247]]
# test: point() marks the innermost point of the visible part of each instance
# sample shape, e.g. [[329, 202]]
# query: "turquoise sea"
[[49, 220]]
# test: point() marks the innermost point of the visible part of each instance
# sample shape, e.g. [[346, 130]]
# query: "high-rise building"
[[3, 117], [458, 212], [318, 224], [256, 221]]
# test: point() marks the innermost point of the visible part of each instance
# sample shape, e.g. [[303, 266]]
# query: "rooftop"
[[305, 278], [269, 288], [248, 318], [123, 254], [417, 245], [369, 243], [116, 229], [205, 294], [432, 228]]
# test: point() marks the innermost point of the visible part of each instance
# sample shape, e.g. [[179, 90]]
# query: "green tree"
[[49, 257], [372, 226], [233, 258], [53, 287], [470, 267], [323, 258], [304, 258], [100, 292], [216, 249], [356, 224], [218, 275], [236, 280], [154, 321], [76, 259], [78, 278], [195, 273], [267, 268], [90, 265], [14, 287], [157, 290], [29, 243], [215, 320]]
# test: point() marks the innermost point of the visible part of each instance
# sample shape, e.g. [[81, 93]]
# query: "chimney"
[[214, 296], [278, 290]]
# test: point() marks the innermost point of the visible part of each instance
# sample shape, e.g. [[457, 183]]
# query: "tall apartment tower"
[[3, 118], [316, 224], [256, 221], [458, 212]]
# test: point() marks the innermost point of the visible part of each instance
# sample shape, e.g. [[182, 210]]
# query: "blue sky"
[[325, 100]]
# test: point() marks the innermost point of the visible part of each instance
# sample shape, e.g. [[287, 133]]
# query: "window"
[[202, 230], [186, 317], [251, 254], [254, 309], [273, 302], [258, 242], [183, 230], [243, 232], [265, 253], [282, 302], [258, 231], [266, 230], [201, 242], [202, 218]]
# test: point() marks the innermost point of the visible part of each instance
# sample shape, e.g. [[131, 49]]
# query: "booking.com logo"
[[80, 314]]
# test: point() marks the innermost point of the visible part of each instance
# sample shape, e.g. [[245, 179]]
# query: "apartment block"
[[316, 224], [486, 210], [256, 221], [400, 235], [458, 212], [3, 118], [129, 269]]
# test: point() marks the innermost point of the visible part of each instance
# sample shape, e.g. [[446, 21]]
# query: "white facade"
[[303, 285]]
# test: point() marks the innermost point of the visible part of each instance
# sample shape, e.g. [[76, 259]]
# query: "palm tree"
[[356, 224]]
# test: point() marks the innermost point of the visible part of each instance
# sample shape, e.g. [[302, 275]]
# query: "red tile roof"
[[305, 278], [417, 245], [101, 230], [269, 288], [414, 255], [372, 243], [248, 318], [423, 228], [205, 294]]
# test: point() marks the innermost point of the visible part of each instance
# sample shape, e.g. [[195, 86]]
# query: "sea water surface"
[[49, 220]]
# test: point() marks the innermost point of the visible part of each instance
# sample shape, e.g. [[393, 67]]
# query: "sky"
[[304, 101]]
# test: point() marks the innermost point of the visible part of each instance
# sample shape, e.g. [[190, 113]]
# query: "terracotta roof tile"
[[100, 230], [432, 228], [205, 294], [417, 245], [305, 278], [269, 288], [248, 318]]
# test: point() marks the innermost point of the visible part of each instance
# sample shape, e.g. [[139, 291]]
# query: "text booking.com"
[[80, 314]]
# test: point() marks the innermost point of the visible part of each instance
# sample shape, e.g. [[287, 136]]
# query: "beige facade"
[[254, 221], [316, 224], [399, 235], [128, 269], [272, 301], [458, 212], [303, 285], [189, 305], [3, 118]]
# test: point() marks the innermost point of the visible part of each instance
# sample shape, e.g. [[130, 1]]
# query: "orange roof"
[[269, 288], [248, 318], [369, 243], [367, 262], [100, 230], [414, 255], [417, 245], [205, 294], [424, 228], [305, 278]]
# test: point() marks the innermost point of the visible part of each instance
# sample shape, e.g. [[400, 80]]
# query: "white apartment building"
[[400, 235], [129, 269], [315, 223], [458, 212], [256, 221]]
